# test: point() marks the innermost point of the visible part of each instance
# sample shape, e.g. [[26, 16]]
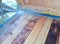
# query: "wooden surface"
[[47, 7], [29, 29], [22, 36], [21, 23], [44, 32], [33, 35]]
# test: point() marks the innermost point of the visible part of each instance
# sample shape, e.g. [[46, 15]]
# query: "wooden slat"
[[44, 32], [11, 28], [26, 31], [31, 38], [16, 31]]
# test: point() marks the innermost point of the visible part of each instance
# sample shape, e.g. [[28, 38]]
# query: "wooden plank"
[[44, 32], [11, 28], [16, 31], [33, 35], [22, 36]]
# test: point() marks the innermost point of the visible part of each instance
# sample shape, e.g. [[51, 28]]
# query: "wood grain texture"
[[44, 32], [42, 6], [22, 36], [20, 24], [11, 28], [33, 35]]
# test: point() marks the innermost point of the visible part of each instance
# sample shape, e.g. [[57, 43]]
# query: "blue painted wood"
[[17, 13], [41, 14]]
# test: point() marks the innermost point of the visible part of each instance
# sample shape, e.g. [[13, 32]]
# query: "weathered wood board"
[[51, 7]]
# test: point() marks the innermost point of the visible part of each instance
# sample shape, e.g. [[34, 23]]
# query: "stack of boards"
[[51, 7], [31, 29]]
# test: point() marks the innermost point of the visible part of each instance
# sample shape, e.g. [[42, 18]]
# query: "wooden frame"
[[41, 6]]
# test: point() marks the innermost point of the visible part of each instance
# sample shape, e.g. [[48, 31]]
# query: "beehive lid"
[[50, 7]]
